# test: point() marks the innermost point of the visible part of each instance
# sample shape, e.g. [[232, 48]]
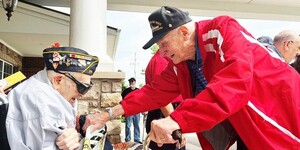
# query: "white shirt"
[[37, 114]]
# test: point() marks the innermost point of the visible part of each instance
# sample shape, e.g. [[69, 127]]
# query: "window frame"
[[2, 73]]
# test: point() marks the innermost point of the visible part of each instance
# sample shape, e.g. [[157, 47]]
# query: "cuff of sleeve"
[[81, 121], [124, 105], [177, 116]]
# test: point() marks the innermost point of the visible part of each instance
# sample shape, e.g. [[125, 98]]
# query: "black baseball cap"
[[131, 79], [164, 20]]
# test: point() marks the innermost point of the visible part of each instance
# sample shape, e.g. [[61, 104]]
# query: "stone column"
[[88, 31]]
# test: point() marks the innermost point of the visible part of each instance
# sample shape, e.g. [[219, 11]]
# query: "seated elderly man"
[[42, 109]]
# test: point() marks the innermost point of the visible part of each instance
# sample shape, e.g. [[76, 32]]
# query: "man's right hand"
[[96, 121]]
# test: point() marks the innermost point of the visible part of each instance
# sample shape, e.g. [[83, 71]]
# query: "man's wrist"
[[110, 113]]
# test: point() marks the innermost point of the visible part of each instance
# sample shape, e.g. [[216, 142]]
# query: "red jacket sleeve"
[[162, 90]]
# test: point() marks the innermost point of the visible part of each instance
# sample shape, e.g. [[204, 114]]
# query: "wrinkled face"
[[68, 88], [174, 47], [293, 48]]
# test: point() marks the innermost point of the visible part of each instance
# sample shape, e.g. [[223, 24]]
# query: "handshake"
[[159, 133]]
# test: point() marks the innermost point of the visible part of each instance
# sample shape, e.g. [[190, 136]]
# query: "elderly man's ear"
[[184, 32], [56, 81], [287, 45]]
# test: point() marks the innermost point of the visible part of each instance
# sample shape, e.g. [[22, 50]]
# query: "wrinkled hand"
[[68, 140], [160, 133], [96, 121]]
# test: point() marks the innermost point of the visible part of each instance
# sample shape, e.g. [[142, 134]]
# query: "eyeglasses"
[[82, 88]]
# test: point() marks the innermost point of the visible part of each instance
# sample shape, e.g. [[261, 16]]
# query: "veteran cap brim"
[[154, 40]]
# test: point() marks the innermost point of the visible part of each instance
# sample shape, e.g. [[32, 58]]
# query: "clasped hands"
[[69, 139]]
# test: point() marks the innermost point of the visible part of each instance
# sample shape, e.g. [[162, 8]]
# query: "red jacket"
[[258, 93], [156, 65]]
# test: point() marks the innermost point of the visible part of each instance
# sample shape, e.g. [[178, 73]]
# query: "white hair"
[[284, 36]]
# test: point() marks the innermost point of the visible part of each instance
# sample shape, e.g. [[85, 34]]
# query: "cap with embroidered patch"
[[70, 59], [164, 20]]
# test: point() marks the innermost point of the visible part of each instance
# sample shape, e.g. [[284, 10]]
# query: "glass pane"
[[5, 75], [8, 70]]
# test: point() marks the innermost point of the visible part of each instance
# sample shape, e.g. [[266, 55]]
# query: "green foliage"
[[123, 119], [154, 48], [124, 86]]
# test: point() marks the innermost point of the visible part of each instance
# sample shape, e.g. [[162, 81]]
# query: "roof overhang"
[[287, 10], [33, 28]]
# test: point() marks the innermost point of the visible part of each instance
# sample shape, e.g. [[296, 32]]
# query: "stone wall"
[[105, 93]]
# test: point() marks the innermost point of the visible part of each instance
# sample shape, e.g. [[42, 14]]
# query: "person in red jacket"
[[226, 78], [155, 66]]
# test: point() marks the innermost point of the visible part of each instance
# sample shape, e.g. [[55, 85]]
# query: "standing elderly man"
[[225, 76], [286, 44], [42, 109], [134, 119]]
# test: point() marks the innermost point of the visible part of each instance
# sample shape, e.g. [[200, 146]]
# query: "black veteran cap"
[[163, 20], [70, 59]]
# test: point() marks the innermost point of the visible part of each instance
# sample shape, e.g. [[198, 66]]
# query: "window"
[[6, 69]]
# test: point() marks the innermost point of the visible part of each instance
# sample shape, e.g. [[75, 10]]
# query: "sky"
[[130, 57], [135, 32]]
